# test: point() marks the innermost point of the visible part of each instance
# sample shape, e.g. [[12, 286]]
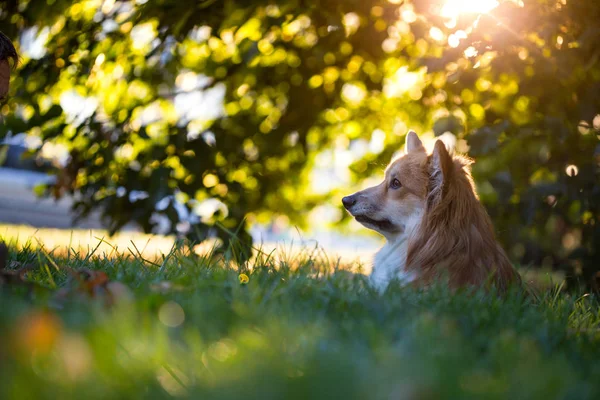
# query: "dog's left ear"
[[441, 166], [413, 142]]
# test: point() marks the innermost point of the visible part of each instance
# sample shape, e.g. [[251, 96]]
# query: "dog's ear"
[[413, 142], [441, 166]]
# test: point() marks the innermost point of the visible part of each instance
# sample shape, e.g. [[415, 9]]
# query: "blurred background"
[[249, 120]]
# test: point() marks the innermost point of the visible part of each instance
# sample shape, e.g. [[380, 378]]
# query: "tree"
[[527, 78], [518, 86]]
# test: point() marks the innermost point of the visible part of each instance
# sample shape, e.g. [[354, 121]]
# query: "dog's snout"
[[349, 201]]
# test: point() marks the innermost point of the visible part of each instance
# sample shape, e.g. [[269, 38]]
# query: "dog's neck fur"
[[390, 260]]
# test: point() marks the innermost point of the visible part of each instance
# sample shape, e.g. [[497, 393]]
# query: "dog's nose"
[[349, 201]]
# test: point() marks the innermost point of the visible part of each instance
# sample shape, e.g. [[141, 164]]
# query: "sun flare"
[[453, 8]]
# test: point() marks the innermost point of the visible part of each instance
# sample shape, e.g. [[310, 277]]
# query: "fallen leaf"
[[83, 282], [95, 284], [13, 276]]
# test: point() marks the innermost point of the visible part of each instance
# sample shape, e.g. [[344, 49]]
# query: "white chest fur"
[[390, 261], [389, 264]]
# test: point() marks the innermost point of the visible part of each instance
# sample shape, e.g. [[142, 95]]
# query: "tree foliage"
[[231, 102]]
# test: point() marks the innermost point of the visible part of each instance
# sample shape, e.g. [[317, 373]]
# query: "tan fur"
[[452, 237]]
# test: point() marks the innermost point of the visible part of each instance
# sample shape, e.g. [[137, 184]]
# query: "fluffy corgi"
[[428, 211]]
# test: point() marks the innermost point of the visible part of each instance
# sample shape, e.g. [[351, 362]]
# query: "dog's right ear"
[[413, 142], [441, 166]]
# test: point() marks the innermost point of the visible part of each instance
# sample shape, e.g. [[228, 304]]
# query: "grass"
[[300, 328], [83, 241]]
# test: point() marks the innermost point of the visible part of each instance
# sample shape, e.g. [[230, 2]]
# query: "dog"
[[434, 225]]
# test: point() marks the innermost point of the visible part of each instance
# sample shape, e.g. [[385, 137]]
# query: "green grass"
[[299, 329]]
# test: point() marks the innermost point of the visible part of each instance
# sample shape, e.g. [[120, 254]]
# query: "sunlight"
[[453, 8]]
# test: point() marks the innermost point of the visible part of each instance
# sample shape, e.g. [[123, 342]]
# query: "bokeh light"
[[171, 314], [453, 8]]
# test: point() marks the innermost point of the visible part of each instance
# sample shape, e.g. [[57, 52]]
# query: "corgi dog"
[[434, 225]]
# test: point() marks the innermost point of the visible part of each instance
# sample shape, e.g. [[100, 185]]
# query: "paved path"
[[18, 204]]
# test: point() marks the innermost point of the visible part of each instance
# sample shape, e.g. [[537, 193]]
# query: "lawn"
[[289, 327]]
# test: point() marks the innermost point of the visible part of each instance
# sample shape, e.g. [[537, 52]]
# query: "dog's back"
[[456, 236]]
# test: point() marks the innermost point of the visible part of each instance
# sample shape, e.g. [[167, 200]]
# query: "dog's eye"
[[395, 184]]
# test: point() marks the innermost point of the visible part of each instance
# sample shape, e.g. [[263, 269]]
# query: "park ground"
[[95, 323]]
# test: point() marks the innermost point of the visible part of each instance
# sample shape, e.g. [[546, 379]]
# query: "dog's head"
[[398, 202]]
